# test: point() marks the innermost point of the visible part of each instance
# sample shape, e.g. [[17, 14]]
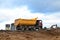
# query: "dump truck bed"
[[25, 21]]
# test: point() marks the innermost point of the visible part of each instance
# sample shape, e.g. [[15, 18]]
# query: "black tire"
[[18, 28], [36, 28]]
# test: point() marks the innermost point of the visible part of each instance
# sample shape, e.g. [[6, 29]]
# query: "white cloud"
[[53, 18], [9, 15]]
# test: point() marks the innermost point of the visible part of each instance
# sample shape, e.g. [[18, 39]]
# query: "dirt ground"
[[30, 35]]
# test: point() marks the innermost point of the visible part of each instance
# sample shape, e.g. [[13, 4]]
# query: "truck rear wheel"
[[36, 28], [18, 28]]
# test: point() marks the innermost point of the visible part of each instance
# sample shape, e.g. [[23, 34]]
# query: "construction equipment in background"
[[12, 27], [28, 24], [54, 26], [7, 27]]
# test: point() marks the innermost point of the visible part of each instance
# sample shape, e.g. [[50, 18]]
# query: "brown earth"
[[30, 35]]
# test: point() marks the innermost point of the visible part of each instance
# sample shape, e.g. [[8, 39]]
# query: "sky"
[[46, 10]]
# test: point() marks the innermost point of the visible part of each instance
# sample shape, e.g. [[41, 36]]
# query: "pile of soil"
[[30, 35]]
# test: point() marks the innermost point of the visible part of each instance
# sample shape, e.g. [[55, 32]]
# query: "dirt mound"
[[30, 35]]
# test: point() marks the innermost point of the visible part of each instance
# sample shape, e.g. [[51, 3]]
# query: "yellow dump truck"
[[27, 23]]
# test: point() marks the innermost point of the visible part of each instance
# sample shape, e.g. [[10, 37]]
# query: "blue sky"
[[47, 10], [33, 5]]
